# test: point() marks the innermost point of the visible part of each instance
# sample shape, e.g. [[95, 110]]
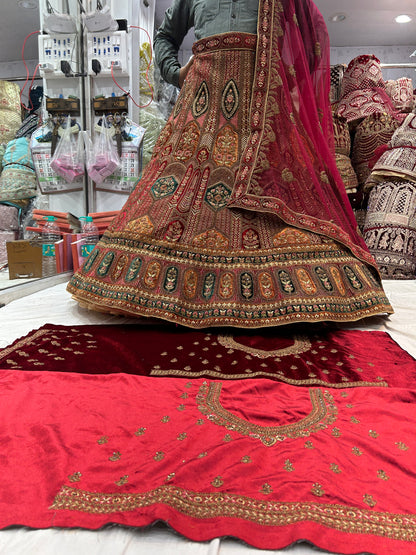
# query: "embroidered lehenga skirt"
[[178, 252]]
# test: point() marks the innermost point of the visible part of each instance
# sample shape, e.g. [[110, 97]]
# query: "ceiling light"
[[28, 4], [337, 17], [403, 19]]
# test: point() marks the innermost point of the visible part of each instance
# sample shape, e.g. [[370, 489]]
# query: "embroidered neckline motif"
[[301, 344], [324, 413]]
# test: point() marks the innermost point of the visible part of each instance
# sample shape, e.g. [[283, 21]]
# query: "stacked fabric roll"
[[342, 153], [18, 178], [10, 111], [390, 224]]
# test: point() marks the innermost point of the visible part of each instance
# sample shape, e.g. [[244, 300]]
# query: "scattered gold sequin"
[[373, 433], [402, 446], [165, 419], [182, 436], [369, 500], [102, 440], [217, 482], [181, 407], [202, 455], [335, 468], [354, 420], [159, 455], [189, 384], [123, 480], [357, 451], [246, 459], [344, 394], [309, 445], [115, 456], [170, 476], [382, 475], [318, 490], [140, 432], [227, 438], [75, 477], [266, 489], [184, 395], [349, 406], [200, 421], [288, 466]]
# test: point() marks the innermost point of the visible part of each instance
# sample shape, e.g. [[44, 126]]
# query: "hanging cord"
[[147, 73], [27, 73]]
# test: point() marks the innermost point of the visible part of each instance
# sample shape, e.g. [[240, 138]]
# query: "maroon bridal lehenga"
[[241, 217]]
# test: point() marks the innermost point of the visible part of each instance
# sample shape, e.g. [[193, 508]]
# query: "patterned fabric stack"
[[337, 73], [363, 90], [374, 131], [18, 178], [401, 93], [342, 153], [390, 226], [9, 226], [10, 112]]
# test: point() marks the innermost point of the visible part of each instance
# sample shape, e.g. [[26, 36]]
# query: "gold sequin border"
[[344, 518]]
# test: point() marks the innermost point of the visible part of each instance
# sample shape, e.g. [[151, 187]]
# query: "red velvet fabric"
[[295, 355], [266, 462]]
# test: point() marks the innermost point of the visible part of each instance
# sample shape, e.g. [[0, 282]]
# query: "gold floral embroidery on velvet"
[[202, 455], [190, 284], [225, 151], [204, 505], [102, 440], [140, 432], [123, 480], [338, 280], [354, 420], [170, 476], [152, 274], [309, 445], [251, 239], [181, 407], [369, 500], [267, 289], [357, 451], [246, 459], [402, 446], [291, 236], [287, 175], [373, 433], [142, 226], [306, 282], [226, 285], [336, 432], [335, 468], [75, 477], [182, 436], [382, 475], [301, 344], [323, 413], [159, 455], [201, 101], [188, 142], [230, 99], [227, 438], [317, 490], [217, 482], [211, 239], [116, 456]]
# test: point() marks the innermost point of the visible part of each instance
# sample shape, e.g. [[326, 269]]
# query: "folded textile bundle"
[[18, 178]]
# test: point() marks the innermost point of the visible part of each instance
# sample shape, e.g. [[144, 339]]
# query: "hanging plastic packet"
[[68, 159], [102, 157]]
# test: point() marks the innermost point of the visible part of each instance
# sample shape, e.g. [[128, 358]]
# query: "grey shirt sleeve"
[[177, 22]]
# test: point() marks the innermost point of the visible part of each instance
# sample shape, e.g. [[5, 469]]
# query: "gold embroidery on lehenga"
[[382, 475], [266, 489], [123, 480], [323, 413], [204, 505], [317, 490], [75, 477], [369, 500], [217, 482]]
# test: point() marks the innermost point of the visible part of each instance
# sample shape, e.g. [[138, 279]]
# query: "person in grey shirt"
[[207, 17]]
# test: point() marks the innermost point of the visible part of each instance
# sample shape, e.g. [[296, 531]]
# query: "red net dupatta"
[[288, 166]]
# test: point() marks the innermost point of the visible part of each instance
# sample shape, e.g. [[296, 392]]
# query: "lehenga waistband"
[[225, 41]]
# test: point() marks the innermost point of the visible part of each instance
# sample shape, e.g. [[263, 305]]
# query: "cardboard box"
[[24, 259]]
